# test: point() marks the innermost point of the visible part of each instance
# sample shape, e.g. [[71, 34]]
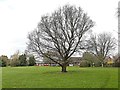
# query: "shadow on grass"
[[59, 72]]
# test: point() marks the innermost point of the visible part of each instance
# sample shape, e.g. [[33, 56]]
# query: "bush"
[[116, 64], [3, 63]]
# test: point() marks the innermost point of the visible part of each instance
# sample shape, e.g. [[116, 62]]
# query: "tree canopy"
[[60, 32]]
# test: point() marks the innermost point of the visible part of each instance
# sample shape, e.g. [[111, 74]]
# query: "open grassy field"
[[51, 77]]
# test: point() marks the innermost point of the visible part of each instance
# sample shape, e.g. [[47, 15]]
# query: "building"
[[75, 61], [109, 61]]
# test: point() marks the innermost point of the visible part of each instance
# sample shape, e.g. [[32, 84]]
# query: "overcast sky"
[[18, 17]]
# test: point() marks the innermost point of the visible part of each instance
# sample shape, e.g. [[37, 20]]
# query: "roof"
[[75, 59]]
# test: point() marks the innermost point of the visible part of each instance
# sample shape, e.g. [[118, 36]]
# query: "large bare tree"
[[101, 45], [60, 33]]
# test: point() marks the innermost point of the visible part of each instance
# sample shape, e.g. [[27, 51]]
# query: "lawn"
[[51, 77]]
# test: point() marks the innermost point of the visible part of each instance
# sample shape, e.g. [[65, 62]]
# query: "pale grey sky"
[[18, 17]]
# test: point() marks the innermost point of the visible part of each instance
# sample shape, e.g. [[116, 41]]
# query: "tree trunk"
[[64, 68]]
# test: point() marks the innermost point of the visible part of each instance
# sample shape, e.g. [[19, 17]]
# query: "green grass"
[[51, 77]]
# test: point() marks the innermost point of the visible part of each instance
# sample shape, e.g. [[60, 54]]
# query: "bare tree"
[[15, 59], [101, 45], [60, 33]]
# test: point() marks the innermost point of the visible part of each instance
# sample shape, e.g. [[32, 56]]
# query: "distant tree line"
[[90, 60], [17, 60]]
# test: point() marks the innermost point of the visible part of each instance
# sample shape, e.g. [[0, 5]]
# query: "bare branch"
[[60, 33], [101, 45]]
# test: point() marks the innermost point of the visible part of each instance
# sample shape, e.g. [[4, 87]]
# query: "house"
[[75, 60], [109, 61], [39, 63]]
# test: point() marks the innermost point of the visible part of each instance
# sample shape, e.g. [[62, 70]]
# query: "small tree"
[[4, 60], [61, 32], [32, 61], [91, 58], [22, 60], [14, 61]]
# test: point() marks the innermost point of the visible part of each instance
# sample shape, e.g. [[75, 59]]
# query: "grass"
[[51, 77]]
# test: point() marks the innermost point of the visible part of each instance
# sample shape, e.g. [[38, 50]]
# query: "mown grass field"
[[51, 77]]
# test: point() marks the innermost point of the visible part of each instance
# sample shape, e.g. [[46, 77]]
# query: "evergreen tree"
[[22, 60], [31, 61], [3, 60]]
